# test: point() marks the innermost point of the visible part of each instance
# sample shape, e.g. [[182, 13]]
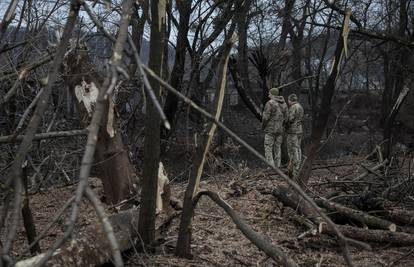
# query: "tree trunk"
[[138, 24], [287, 16], [177, 74], [152, 127], [113, 164], [183, 248], [243, 21], [241, 90]]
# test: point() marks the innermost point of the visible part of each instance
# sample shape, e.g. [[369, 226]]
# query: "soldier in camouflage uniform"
[[273, 119], [294, 132]]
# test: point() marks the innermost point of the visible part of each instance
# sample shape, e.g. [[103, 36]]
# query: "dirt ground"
[[216, 240]]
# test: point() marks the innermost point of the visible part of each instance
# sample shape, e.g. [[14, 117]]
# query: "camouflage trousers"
[[272, 145], [294, 151]]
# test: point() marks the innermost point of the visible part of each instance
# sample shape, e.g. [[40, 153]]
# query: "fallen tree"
[[291, 199], [357, 215]]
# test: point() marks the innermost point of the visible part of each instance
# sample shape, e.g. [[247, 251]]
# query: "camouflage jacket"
[[295, 119], [274, 115]]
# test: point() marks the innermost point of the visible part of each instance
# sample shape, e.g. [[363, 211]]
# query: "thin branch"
[[41, 136], [258, 240], [106, 225]]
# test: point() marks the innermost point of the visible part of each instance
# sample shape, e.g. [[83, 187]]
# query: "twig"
[[14, 139], [295, 81], [27, 111]]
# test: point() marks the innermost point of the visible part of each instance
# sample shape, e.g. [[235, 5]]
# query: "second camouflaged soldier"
[[273, 119], [294, 132]]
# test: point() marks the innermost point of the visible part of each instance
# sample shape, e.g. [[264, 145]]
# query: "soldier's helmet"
[[293, 98], [274, 91]]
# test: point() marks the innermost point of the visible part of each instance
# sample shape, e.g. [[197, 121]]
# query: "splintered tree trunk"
[[152, 127], [183, 248], [320, 121], [113, 164]]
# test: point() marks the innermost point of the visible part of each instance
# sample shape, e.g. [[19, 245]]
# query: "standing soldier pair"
[[278, 119]]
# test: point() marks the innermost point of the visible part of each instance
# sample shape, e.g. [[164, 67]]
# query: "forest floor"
[[216, 240], [244, 183]]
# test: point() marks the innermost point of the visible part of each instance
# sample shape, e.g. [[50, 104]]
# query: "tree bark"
[[113, 164], [243, 22], [357, 215], [177, 74], [152, 127], [138, 24], [241, 90]]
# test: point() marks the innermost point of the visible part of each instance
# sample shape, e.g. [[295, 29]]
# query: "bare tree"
[[152, 127]]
